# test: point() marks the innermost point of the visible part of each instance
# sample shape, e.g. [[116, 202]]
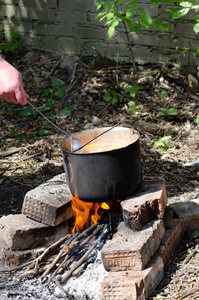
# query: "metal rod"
[[53, 124]]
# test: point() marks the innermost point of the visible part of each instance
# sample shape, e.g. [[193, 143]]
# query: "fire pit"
[[107, 169]]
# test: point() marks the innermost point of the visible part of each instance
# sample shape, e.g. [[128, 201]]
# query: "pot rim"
[[100, 129]]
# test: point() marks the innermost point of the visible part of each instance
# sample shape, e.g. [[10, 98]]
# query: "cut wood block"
[[20, 232], [132, 250], [147, 205], [133, 285], [49, 203]]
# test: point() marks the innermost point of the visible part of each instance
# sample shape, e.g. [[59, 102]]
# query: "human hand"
[[11, 85]]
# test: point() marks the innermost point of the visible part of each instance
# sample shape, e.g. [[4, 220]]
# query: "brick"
[[35, 14], [185, 29], [38, 3], [91, 33], [49, 203], [142, 54], [171, 240], [51, 29], [145, 39], [189, 213], [10, 1], [22, 26], [132, 250], [133, 285], [78, 5], [70, 17], [7, 10], [64, 45], [21, 233], [168, 217], [88, 46], [147, 205], [115, 49], [16, 258]]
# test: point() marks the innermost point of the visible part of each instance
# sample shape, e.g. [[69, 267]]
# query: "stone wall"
[[69, 27]]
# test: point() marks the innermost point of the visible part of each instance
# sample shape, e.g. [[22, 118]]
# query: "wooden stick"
[[82, 259], [51, 266], [92, 235], [53, 247]]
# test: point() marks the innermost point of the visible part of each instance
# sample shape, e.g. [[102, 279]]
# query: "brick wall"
[[69, 27]]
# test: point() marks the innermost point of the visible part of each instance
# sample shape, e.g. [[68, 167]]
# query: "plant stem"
[[132, 54]]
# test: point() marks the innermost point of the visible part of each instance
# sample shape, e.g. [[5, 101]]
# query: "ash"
[[86, 286]]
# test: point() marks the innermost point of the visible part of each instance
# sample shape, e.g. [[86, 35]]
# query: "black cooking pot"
[[107, 169]]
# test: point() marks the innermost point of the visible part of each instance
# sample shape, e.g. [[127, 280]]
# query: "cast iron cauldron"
[[112, 169]]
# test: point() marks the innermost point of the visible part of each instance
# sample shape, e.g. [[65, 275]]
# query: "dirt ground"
[[30, 152]]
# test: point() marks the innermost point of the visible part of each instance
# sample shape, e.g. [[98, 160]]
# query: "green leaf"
[[131, 103], [114, 100], [43, 132], [161, 113], [55, 81], [111, 31], [107, 98], [159, 24], [132, 110], [118, 2], [197, 119], [130, 12], [165, 138], [171, 112], [46, 92], [114, 94], [178, 13], [196, 28], [29, 112], [67, 111], [155, 2], [187, 4], [60, 93], [145, 19], [15, 34]]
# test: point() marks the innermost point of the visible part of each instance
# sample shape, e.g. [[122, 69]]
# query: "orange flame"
[[86, 213]]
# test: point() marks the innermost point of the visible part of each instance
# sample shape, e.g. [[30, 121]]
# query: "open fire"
[[86, 213]]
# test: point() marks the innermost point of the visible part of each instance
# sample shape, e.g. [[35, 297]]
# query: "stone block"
[[189, 213], [133, 285], [49, 203], [147, 205], [171, 240], [20, 232], [132, 250]]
